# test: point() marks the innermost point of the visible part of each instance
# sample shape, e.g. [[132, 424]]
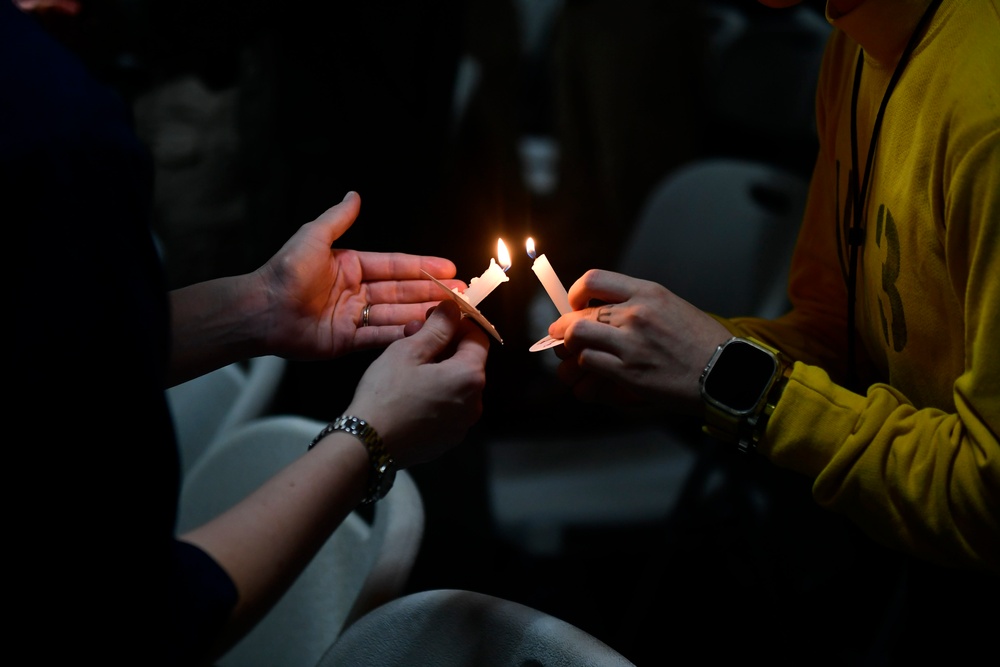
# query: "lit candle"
[[480, 287], [550, 281]]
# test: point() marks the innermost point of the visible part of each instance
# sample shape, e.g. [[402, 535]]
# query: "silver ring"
[[364, 314]]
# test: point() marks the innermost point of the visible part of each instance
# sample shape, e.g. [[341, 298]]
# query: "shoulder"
[[960, 67], [968, 42]]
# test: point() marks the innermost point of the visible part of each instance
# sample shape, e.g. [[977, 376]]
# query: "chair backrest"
[[720, 234], [262, 377], [456, 628], [363, 564], [208, 406]]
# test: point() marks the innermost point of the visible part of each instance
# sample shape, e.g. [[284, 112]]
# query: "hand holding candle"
[[550, 281], [480, 287]]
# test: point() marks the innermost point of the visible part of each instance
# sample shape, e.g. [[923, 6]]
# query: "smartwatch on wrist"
[[740, 387]]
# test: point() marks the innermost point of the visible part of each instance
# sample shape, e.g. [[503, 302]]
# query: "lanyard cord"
[[856, 236]]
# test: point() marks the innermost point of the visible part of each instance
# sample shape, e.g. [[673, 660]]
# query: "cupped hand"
[[643, 343], [317, 294], [424, 393]]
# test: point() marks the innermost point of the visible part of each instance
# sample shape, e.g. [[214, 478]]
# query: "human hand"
[[317, 295], [644, 344], [423, 393]]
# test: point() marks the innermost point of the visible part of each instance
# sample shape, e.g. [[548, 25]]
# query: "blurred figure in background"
[[99, 337], [626, 109]]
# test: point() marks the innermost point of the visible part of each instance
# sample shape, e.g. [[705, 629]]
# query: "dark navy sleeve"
[[94, 474]]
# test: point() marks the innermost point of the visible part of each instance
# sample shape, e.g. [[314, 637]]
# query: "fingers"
[[592, 352], [382, 265], [445, 328], [601, 314], [389, 322], [397, 314], [438, 331], [590, 335], [474, 344], [418, 290], [607, 287], [403, 266], [601, 285], [558, 328]]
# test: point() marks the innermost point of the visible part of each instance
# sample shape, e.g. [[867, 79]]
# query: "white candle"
[[494, 274], [550, 281]]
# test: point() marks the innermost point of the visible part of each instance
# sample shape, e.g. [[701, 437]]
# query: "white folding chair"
[[719, 233], [362, 565], [456, 628], [208, 406]]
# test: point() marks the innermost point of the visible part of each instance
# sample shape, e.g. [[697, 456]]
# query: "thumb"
[[438, 331], [338, 218]]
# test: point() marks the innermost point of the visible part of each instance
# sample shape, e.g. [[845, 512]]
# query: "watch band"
[[757, 424], [383, 468]]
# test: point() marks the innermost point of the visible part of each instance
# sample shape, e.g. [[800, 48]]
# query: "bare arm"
[[305, 302], [422, 395]]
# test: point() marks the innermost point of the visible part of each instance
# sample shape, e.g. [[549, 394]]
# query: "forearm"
[[215, 323], [265, 541], [924, 481]]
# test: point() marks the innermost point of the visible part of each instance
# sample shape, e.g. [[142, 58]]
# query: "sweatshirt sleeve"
[[922, 479], [912, 457]]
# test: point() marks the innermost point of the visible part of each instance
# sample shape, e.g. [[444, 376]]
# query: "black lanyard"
[[856, 235]]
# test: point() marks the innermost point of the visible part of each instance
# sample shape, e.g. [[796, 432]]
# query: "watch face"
[[740, 376]]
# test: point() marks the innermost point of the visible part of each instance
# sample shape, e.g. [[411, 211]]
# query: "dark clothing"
[[95, 473]]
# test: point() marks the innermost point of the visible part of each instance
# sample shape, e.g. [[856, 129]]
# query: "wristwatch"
[[383, 468], [740, 388]]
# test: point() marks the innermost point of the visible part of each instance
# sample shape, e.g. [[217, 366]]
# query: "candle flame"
[[530, 246], [503, 257]]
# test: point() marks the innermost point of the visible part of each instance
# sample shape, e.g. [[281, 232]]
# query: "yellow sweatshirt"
[[915, 460]]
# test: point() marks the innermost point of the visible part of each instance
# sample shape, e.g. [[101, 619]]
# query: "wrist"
[[382, 468], [345, 453], [250, 300], [740, 388]]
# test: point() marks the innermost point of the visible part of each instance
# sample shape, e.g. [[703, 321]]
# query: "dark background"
[[260, 117]]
